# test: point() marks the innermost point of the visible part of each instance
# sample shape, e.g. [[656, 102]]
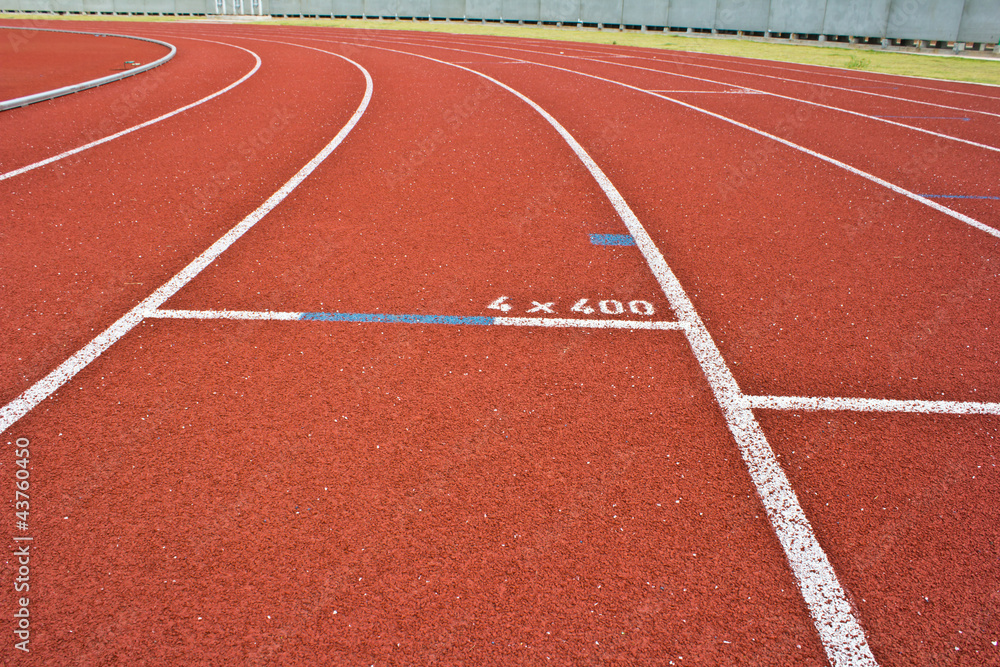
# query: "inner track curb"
[[93, 83]]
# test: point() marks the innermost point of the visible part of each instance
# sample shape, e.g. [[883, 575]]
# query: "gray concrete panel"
[[286, 7], [447, 9], [692, 13], [645, 12], [482, 9], [322, 7], [742, 15], [195, 6], [802, 16], [860, 18], [601, 11], [948, 20], [412, 8], [521, 10], [380, 7], [567, 11], [980, 22], [50, 5], [346, 7], [925, 19]]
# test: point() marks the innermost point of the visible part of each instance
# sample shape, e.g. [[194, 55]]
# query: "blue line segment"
[[388, 319], [612, 239], [959, 197]]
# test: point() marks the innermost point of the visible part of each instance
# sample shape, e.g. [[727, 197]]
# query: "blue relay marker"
[[386, 318], [612, 239]]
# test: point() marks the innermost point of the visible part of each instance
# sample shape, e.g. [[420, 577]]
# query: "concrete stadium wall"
[[974, 21]]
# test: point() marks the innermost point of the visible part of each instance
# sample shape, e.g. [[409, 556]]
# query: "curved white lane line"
[[85, 85], [39, 391], [116, 135], [841, 633], [771, 64], [694, 55], [972, 222], [767, 63], [825, 106], [947, 91], [756, 90]]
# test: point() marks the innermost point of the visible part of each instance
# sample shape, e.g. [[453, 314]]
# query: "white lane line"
[[711, 92], [223, 315], [841, 633], [872, 405], [972, 222], [853, 78], [500, 61], [116, 135], [784, 67], [829, 107], [588, 324], [756, 90], [39, 391], [768, 76]]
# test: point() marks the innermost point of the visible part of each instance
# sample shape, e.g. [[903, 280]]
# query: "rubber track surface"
[[324, 492]]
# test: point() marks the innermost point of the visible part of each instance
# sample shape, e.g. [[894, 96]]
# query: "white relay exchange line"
[[816, 403]]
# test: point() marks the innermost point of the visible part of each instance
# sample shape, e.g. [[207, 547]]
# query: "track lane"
[[908, 505]]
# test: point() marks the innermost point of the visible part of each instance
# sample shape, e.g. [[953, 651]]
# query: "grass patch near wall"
[[35, 19], [854, 57]]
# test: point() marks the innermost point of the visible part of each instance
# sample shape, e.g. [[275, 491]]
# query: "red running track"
[[261, 491]]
